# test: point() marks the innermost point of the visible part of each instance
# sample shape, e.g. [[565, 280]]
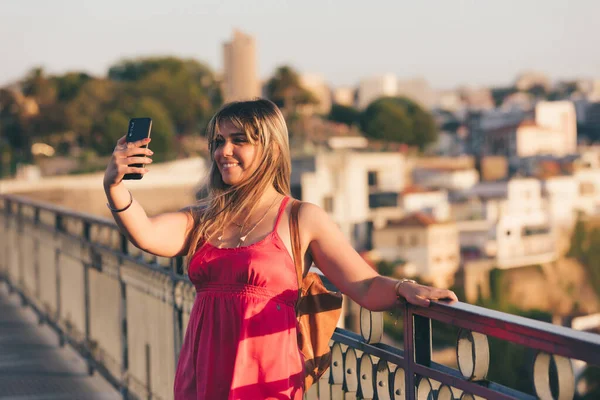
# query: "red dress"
[[241, 339]]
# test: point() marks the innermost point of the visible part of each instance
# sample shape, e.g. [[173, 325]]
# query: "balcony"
[[126, 311]]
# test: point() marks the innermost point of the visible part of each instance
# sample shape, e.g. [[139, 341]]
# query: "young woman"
[[241, 339]]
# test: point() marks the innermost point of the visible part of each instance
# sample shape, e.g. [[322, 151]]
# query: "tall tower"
[[240, 77]]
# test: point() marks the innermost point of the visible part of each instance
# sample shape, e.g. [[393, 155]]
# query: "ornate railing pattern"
[[126, 312]]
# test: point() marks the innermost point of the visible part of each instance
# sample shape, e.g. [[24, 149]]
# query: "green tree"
[[187, 89], [69, 84], [285, 90], [399, 119], [37, 84], [344, 114]]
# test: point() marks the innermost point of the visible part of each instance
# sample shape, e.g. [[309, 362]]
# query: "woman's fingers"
[[134, 160], [138, 143], [421, 295]]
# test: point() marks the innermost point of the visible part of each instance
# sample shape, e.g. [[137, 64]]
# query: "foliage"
[[499, 94], [285, 90], [344, 114], [585, 247], [399, 119], [77, 110]]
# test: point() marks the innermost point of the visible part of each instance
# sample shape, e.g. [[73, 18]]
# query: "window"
[[414, 240], [328, 204], [400, 241], [586, 188], [383, 199], [372, 178]]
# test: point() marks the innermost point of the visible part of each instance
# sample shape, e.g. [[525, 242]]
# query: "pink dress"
[[241, 339]]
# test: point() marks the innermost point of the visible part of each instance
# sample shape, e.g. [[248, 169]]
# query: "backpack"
[[317, 312]]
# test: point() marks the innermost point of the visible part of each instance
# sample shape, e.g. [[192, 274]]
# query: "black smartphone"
[[139, 128]]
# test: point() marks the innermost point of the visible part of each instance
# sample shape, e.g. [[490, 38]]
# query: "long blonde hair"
[[265, 127]]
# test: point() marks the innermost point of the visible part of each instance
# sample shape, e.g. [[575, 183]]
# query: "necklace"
[[243, 238]]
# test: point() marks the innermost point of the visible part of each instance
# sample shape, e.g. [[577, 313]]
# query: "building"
[[370, 89], [530, 79], [432, 247], [356, 187], [418, 90], [511, 222], [318, 87], [344, 96], [427, 201], [554, 131], [449, 178], [240, 71], [562, 197]]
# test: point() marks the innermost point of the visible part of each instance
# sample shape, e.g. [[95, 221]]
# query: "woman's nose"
[[227, 148]]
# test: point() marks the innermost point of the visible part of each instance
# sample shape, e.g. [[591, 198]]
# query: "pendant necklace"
[[243, 238]]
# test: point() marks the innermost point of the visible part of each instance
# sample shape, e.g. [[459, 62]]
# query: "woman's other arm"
[[346, 269]]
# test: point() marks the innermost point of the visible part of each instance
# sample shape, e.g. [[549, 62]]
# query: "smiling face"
[[234, 155]]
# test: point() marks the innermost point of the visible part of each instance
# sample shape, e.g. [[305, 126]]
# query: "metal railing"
[[126, 312]]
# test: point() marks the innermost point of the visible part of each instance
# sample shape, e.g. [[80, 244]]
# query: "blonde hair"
[[264, 126]]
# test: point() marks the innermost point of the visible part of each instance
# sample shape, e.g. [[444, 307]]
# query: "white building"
[[355, 187], [317, 85], [418, 90], [428, 201], [517, 222], [428, 245], [562, 198], [344, 96], [370, 89], [240, 71], [554, 131], [446, 178]]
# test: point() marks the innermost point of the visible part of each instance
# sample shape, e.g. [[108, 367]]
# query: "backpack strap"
[[295, 238]]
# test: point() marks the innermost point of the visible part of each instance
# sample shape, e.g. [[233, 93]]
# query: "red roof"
[[414, 219], [415, 189]]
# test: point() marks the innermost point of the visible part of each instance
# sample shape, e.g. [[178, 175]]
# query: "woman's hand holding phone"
[[124, 155]]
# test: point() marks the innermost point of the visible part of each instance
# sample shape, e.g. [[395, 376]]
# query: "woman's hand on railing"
[[124, 155], [421, 295]]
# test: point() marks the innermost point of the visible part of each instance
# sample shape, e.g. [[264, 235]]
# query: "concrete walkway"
[[34, 366]]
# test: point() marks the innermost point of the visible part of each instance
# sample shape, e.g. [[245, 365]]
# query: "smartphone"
[[139, 128]]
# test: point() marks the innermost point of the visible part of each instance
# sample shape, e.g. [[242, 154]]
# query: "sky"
[[447, 42]]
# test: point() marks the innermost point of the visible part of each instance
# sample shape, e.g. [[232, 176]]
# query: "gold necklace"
[[243, 238]]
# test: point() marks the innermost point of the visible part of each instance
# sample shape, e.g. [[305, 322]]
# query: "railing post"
[[409, 353], [422, 340], [124, 341], [58, 227], [86, 292], [21, 276], [36, 259]]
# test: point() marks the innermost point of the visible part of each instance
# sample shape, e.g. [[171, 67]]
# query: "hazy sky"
[[448, 42]]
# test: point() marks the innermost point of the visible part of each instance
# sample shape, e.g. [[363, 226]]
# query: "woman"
[[241, 338]]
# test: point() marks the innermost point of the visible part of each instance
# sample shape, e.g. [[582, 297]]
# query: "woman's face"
[[236, 158]]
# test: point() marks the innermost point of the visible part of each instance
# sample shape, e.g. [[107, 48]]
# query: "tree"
[[187, 89], [344, 114], [285, 90], [399, 119]]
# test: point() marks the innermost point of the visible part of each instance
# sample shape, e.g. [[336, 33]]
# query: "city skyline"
[[448, 43]]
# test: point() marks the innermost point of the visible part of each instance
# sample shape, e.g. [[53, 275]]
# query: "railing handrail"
[[59, 209], [529, 332]]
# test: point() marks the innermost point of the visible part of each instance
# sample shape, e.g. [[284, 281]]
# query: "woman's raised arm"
[[165, 235]]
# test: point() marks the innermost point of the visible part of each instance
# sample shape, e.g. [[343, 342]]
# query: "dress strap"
[[281, 208]]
